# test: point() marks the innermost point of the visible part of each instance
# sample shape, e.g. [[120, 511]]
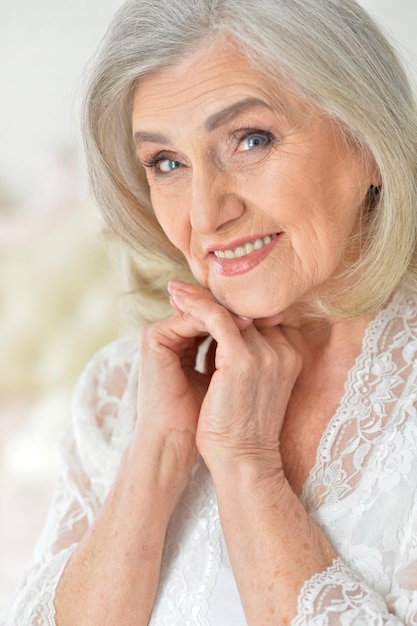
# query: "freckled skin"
[[306, 184]]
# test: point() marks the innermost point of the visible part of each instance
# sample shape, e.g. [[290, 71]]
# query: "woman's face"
[[260, 193]]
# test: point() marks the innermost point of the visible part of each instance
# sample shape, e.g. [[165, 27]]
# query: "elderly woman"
[[252, 459]]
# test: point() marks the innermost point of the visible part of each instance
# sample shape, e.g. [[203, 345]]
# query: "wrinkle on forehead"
[[219, 71]]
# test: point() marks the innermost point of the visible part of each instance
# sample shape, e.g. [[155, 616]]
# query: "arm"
[[274, 546], [288, 573], [106, 529], [339, 595], [113, 574]]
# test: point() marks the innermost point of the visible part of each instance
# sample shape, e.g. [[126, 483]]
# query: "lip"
[[241, 265]]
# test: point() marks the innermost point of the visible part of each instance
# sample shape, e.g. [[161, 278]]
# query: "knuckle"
[[292, 360], [144, 334], [148, 337], [252, 364], [289, 355], [216, 315]]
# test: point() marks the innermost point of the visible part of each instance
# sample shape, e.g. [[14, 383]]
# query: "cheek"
[[165, 214], [170, 211], [175, 230]]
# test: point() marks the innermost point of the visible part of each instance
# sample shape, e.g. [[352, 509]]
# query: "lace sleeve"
[[102, 420], [339, 597], [344, 596]]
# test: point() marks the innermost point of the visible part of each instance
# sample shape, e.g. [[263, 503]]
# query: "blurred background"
[[59, 294]]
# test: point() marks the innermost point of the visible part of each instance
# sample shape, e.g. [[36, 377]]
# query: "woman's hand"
[[170, 393], [253, 372]]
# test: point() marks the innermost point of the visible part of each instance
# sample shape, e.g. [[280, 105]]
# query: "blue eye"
[[254, 140], [162, 164], [168, 165]]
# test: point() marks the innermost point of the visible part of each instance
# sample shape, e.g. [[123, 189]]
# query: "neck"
[[320, 340]]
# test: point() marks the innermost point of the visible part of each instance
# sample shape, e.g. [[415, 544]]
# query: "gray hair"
[[335, 58]]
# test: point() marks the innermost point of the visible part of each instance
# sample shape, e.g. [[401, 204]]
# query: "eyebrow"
[[145, 137], [212, 122], [229, 113]]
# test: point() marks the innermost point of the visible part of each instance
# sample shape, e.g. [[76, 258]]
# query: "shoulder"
[[103, 412], [117, 354], [107, 374], [402, 327], [396, 325]]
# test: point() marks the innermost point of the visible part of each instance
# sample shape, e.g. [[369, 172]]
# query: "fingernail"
[[245, 319], [177, 302], [175, 291], [179, 286], [180, 296]]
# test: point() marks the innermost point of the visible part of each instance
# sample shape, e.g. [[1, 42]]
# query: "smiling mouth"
[[247, 248]]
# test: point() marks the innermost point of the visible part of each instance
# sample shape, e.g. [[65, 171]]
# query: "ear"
[[372, 196]]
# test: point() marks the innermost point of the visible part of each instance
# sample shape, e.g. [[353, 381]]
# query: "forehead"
[[210, 79]]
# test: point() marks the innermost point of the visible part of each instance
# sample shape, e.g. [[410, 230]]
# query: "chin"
[[252, 310], [252, 300]]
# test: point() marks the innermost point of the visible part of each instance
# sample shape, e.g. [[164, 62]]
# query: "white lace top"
[[362, 491]]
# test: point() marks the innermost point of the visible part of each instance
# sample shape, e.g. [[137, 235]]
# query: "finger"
[[289, 355], [178, 291], [179, 334], [209, 316]]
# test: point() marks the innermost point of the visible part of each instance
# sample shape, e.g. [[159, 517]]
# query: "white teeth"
[[240, 251], [245, 249]]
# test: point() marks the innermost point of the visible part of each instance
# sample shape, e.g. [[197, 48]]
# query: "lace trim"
[[37, 607], [336, 597], [362, 489], [373, 388], [104, 409]]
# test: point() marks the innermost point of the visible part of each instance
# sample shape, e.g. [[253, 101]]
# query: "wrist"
[[260, 475], [156, 470]]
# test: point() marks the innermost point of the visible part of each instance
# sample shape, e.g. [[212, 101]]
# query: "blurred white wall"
[[399, 19], [44, 47], [57, 293]]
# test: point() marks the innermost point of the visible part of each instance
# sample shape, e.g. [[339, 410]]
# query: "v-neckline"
[[351, 393]]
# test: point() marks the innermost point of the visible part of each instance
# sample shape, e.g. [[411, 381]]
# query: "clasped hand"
[[234, 409]]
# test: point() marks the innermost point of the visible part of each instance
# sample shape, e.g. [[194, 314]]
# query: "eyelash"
[[154, 161], [240, 137]]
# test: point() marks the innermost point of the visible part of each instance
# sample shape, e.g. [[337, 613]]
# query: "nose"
[[216, 203]]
